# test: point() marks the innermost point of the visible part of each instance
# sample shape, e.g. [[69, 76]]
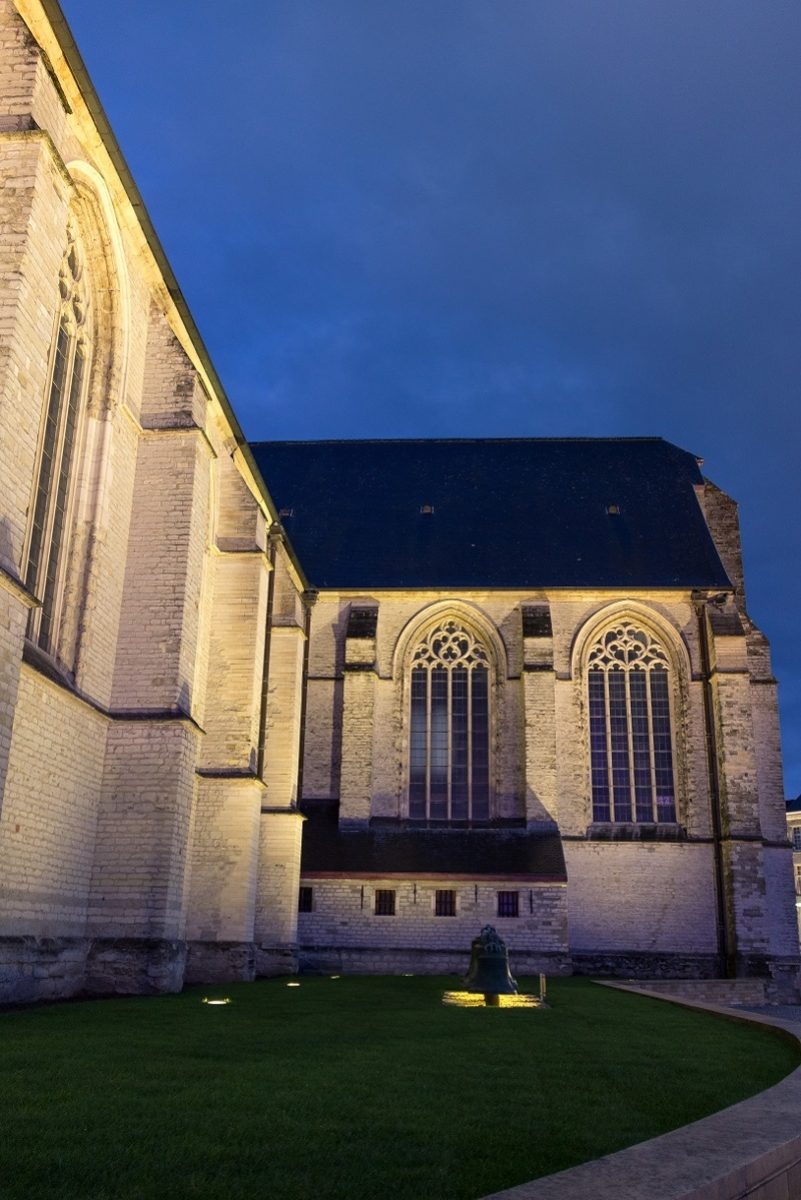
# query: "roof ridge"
[[442, 440]]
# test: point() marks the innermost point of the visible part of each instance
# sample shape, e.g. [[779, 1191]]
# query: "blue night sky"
[[398, 218]]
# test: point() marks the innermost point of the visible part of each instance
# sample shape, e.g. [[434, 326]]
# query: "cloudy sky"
[[490, 217]]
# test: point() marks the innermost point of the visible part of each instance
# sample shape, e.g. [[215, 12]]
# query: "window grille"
[[445, 903], [798, 880], [508, 904], [48, 539], [305, 899], [631, 745], [384, 902], [449, 727], [797, 837]]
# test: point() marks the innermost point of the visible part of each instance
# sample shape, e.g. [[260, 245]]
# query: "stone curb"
[[749, 1151]]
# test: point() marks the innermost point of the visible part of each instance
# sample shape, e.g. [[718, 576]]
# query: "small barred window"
[[631, 743], [508, 904], [384, 902], [306, 900], [445, 903]]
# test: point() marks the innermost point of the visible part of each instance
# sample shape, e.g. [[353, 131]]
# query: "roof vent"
[[427, 510]]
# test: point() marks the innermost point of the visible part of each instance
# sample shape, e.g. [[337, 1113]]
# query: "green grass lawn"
[[354, 1088]]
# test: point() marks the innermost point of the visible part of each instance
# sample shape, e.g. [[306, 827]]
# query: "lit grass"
[[351, 1089]]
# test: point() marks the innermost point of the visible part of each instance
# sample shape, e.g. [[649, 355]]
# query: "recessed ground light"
[[293, 985], [226, 1000]]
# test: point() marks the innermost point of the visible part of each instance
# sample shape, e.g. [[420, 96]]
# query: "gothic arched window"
[[52, 500], [631, 745], [449, 758]]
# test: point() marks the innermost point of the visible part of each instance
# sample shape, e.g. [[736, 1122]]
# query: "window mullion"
[[651, 755], [609, 767], [630, 736], [64, 483], [58, 452], [44, 494], [449, 726], [428, 743], [470, 743]]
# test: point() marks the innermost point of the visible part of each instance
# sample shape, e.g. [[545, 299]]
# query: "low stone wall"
[[706, 991], [219, 962], [750, 1151], [644, 964], [134, 966], [399, 960], [34, 968]]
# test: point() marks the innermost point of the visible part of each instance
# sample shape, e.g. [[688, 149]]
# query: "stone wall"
[[343, 926], [133, 754], [632, 890]]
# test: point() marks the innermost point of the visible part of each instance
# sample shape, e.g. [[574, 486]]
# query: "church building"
[[336, 705]]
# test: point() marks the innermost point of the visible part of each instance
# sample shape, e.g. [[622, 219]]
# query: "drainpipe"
[[274, 537], [726, 950]]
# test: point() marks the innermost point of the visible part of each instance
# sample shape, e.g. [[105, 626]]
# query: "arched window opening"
[[53, 495], [631, 743], [449, 759]]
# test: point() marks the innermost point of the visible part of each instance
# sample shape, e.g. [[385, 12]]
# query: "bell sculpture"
[[489, 967]]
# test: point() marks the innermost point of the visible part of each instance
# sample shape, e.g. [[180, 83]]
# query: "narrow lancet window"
[[631, 743], [49, 535], [449, 757]]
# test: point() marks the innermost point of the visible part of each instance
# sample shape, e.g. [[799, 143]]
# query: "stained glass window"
[[631, 742], [449, 730], [49, 533]]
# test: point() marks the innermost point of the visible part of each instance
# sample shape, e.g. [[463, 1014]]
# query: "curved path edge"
[[749, 1151]]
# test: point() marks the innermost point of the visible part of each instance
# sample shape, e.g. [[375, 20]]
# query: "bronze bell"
[[489, 967]]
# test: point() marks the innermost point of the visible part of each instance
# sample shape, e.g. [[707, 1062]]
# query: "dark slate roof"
[[517, 513], [793, 806], [409, 851]]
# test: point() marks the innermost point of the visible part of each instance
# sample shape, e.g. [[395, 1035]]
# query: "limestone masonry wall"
[[153, 746], [111, 843]]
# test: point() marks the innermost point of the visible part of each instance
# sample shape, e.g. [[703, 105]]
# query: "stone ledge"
[[750, 1151]]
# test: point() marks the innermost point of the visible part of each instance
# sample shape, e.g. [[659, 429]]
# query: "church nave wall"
[[343, 930]]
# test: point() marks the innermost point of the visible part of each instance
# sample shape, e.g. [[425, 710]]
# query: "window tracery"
[[49, 533], [449, 726], [631, 740]]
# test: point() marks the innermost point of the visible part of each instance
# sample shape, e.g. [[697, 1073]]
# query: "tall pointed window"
[[631, 745], [449, 759], [52, 499]]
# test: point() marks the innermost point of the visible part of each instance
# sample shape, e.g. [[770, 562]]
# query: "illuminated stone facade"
[[148, 832], [640, 897], [175, 700]]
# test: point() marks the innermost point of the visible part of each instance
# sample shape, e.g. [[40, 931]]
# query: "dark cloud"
[[490, 217]]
